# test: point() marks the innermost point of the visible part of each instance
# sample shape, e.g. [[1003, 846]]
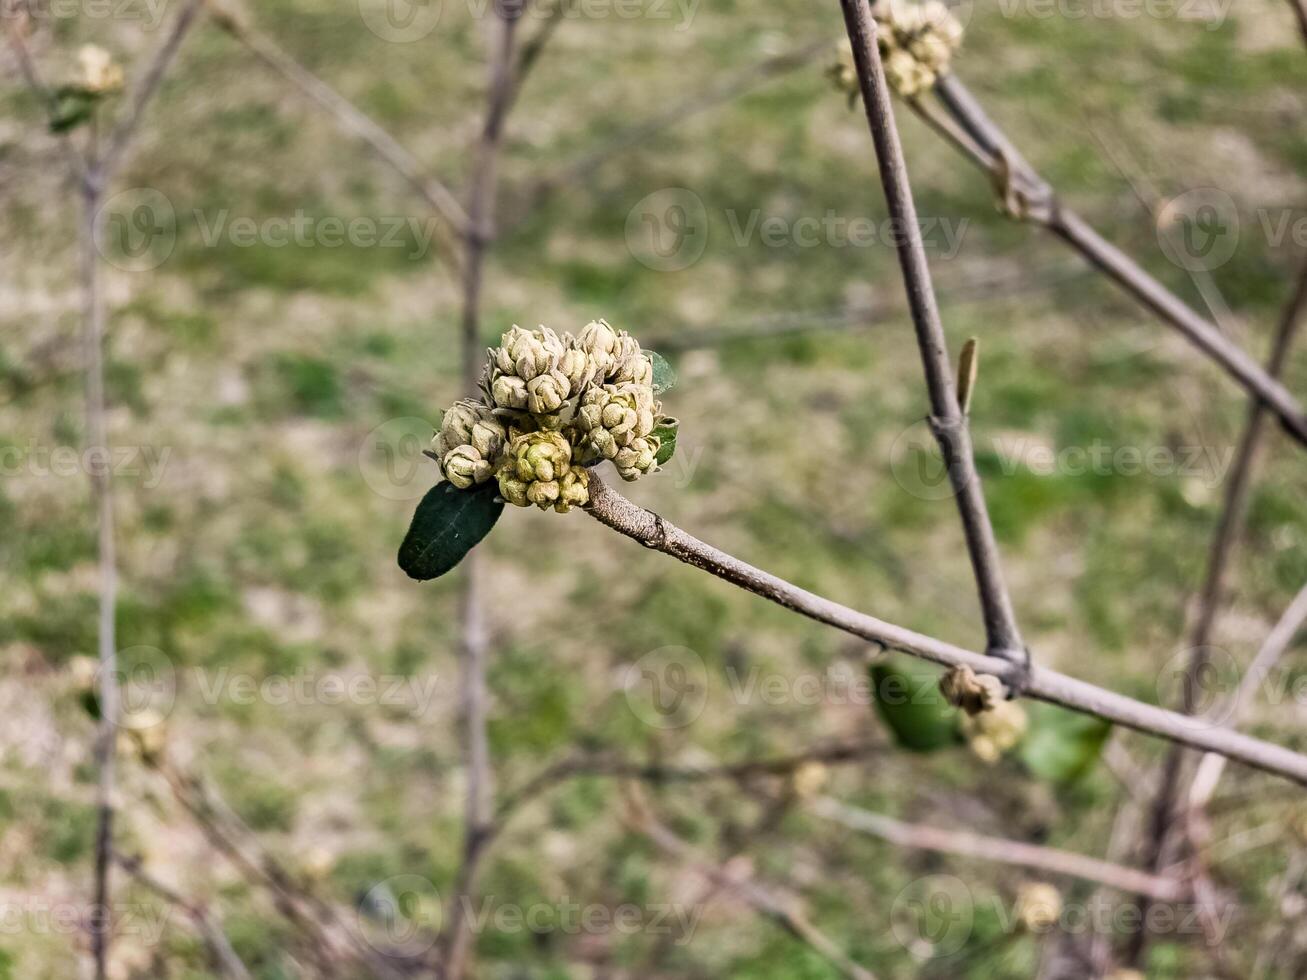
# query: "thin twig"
[[228, 962], [777, 909], [129, 119], [456, 945], [1050, 859], [352, 119], [639, 133], [990, 149], [1277, 642], [611, 509], [16, 27], [947, 420], [1230, 527], [1299, 8]]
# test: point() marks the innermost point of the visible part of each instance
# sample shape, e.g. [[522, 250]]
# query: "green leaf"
[[72, 112], [908, 700], [447, 525], [1062, 746], [664, 375], [666, 433]]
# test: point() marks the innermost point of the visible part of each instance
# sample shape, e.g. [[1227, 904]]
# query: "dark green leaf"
[[74, 109], [666, 433], [1062, 745], [446, 526], [909, 702], [664, 375]]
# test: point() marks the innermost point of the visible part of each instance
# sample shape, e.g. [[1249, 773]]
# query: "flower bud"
[[509, 391], [573, 490], [100, 74], [612, 415], [534, 465], [1038, 905], [464, 466], [577, 367], [459, 422], [546, 393], [600, 342], [992, 733], [636, 369], [638, 458], [488, 437], [528, 353]]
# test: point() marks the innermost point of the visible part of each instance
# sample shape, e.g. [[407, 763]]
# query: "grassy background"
[[265, 549]]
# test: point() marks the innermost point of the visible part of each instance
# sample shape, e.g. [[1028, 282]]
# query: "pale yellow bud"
[[638, 458], [509, 391], [464, 467], [600, 342], [573, 490], [1038, 905], [547, 393], [810, 779], [99, 72], [577, 367]]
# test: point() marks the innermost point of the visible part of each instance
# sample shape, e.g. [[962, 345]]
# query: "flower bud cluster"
[[917, 42], [552, 404], [992, 733]]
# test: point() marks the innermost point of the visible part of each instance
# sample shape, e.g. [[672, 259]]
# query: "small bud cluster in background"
[[917, 41], [553, 404], [99, 74]]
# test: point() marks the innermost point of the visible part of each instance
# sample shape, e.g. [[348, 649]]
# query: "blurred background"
[[283, 331]]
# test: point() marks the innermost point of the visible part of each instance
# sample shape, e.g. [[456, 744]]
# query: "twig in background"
[[94, 175], [779, 910], [456, 944], [1229, 528], [947, 420], [229, 964], [611, 509], [986, 848], [724, 91], [990, 149], [352, 119]]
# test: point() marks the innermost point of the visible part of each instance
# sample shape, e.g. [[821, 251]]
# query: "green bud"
[[612, 415], [573, 490], [533, 466]]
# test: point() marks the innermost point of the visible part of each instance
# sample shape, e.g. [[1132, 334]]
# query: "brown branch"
[[964, 844], [354, 121], [1277, 642], [16, 27], [947, 420], [456, 941], [228, 962], [724, 91], [990, 149], [1229, 529], [611, 509], [1299, 8], [782, 912], [143, 93]]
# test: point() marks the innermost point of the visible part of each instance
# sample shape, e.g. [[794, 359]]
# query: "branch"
[[610, 508], [1277, 642], [456, 945], [228, 962], [624, 139], [776, 909], [16, 25], [130, 120], [990, 149], [1229, 528], [1299, 8], [1019, 853], [947, 420], [353, 120]]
